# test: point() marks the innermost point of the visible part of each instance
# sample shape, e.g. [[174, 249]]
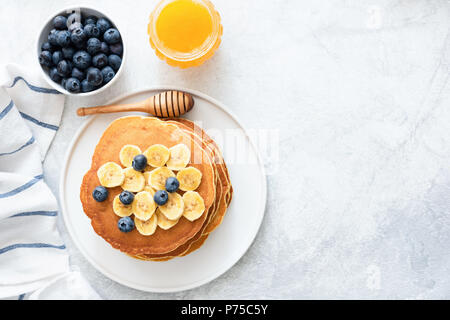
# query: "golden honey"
[[185, 33]]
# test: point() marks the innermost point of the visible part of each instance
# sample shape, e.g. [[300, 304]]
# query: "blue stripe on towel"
[[39, 123], [36, 213], [21, 188], [21, 297], [31, 245], [31, 141], [34, 88], [7, 109]]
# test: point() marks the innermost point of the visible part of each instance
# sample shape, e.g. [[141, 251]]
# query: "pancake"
[[223, 172], [183, 248], [222, 198], [144, 132]]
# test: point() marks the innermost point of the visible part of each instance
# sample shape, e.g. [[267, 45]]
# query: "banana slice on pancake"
[[189, 178], [134, 180], [122, 210], [150, 190], [127, 154], [148, 168], [180, 155], [158, 177], [157, 155], [146, 177], [143, 205], [146, 228], [174, 207], [194, 206], [163, 222], [110, 175]]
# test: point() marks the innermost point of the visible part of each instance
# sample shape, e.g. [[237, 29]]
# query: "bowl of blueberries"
[[80, 51]]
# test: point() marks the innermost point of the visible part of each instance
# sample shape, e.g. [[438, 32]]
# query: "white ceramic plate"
[[224, 247]]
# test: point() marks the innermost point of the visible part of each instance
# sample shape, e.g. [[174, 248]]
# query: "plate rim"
[[123, 282]]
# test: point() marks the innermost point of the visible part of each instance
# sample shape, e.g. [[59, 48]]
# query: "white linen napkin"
[[32, 254]]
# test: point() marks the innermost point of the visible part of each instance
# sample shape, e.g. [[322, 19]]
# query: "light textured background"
[[359, 201]]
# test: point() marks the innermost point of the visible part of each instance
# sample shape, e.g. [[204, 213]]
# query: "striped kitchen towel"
[[32, 253]]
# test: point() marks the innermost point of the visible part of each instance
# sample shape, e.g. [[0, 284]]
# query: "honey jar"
[[185, 33]]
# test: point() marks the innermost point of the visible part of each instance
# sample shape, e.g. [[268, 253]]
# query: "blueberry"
[[100, 194], [78, 74], [90, 20], [68, 53], [45, 58], [82, 60], [126, 197], [103, 24], [91, 31], [100, 60], [74, 26], [94, 46], [52, 37], [105, 48], [114, 61], [94, 76], [86, 86], [80, 46], [73, 85], [78, 36], [57, 56], [125, 224], [46, 46], [161, 197], [60, 22], [54, 75], [112, 36], [64, 68], [108, 74], [139, 162], [116, 49], [63, 83], [172, 184], [63, 38]]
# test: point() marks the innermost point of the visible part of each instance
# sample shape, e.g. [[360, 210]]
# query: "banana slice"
[[122, 210], [163, 222], [146, 177], [146, 228], [150, 190], [143, 205], [110, 175], [194, 206], [127, 154], [174, 207], [134, 180], [157, 178], [179, 157], [189, 178], [157, 155]]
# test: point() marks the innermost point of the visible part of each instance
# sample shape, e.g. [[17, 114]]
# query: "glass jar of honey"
[[185, 33]]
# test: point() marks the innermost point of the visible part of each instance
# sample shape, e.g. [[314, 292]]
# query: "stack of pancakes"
[[184, 237]]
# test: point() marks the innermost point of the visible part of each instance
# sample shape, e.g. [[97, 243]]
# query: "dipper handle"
[[166, 104]]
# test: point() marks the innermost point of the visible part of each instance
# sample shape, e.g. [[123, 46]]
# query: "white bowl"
[[43, 38]]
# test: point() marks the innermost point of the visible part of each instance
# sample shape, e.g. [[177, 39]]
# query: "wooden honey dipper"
[[165, 104]]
